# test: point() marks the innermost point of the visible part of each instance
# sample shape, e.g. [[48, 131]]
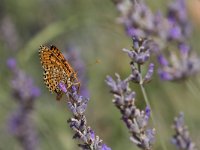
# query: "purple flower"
[[22, 85], [135, 119], [151, 135], [149, 74], [21, 127], [162, 60], [171, 29], [11, 63], [175, 33], [77, 105], [9, 33], [92, 135], [105, 147], [181, 66], [147, 112], [184, 49], [62, 87], [25, 93], [165, 75], [181, 137], [139, 56], [35, 92], [177, 13], [131, 31], [141, 52]]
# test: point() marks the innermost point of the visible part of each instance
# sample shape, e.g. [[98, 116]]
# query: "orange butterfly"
[[56, 70]]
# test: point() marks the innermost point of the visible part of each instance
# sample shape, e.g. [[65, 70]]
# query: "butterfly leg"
[[70, 84], [78, 85]]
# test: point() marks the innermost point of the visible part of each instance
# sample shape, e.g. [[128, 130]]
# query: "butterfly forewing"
[[62, 59]]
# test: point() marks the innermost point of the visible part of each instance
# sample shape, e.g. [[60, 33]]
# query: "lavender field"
[[125, 75]]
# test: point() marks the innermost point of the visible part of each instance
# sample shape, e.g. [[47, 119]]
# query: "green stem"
[[147, 101], [152, 115], [148, 104]]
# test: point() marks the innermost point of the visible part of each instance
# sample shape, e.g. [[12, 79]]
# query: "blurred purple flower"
[[105, 147], [25, 93], [177, 13], [181, 137], [175, 33], [23, 87], [180, 66], [139, 20], [35, 92], [162, 60], [151, 135], [21, 126], [9, 33], [11, 63], [172, 29], [184, 49], [148, 112], [92, 135], [165, 75]]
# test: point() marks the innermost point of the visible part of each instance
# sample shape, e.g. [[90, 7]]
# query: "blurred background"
[[88, 33]]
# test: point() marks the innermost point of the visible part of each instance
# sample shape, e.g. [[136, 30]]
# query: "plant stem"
[[146, 101], [152, 115], [148, 104]]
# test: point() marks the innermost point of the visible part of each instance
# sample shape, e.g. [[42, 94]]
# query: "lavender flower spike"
[[179, 66], [136, 120], [139, 55], [149, 74], [172, 29], [181, 138], [141, 51], [77, 105], [178, 17], [25, 94]]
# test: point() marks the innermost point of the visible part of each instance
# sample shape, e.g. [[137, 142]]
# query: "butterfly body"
[[56, 70]]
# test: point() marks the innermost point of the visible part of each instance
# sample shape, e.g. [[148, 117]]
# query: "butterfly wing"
[[53, 70], [68, 69], [59, 55]]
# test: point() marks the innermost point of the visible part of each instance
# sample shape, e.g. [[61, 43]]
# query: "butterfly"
[[56, 70]]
